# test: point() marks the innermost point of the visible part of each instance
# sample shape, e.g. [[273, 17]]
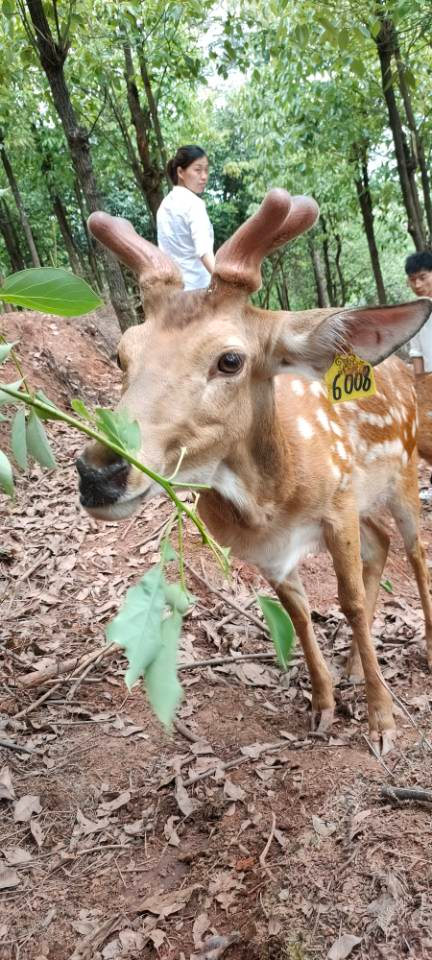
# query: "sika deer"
[[288, 470]]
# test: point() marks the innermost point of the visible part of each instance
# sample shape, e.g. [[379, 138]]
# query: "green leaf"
[[119, 428], [38, 444], [81, 409], [387, 585], [18, 439], [161, 682], [6, 475], [56, 414], [281, 629], [4, 397], [8, 8], [51, 290], [5, 349], [137, 627], [176, 597]]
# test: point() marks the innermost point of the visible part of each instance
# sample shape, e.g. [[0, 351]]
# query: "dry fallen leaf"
[[110, 806], [164, 904], [16, 855], [36, 832], [215, 947], [157, 937], [26, 807], [184, 802], [8, 878], [7, 791], [321, 828], [170, 832], [232, 791], [201, 925], [343, 947]]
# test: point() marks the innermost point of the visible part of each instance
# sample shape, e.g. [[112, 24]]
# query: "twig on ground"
[[217, 661], [90, 665], [11, 745], [377, 755], [405, 710], [151, 536], [23, 576], [407, 793], [109, 650], [185, 732], [72, 666], [232, 603], [230, 616], [89, 945], [238, 761], [262, 856]]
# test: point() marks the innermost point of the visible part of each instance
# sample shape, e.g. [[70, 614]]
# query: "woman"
[[183, 227]]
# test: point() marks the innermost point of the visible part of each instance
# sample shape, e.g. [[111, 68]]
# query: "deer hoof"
[[384, 742], [354, 670], [322, 720]]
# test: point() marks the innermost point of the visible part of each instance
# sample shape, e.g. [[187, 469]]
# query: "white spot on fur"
[[317, 388], [297, 388], [341, 450], [322, 418], [336, 428], [345, 482], [336, 471], [385, 450], [305, 428], [404, 457]]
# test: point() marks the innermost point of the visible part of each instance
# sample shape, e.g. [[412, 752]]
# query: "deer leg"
[[405, 509], [374, 542], [292, 596], [343, 542]]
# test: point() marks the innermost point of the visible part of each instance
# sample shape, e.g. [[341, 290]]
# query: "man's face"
[[421, 283]]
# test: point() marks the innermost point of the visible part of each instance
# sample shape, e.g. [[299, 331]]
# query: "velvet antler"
[[280, 218], [152, 266]]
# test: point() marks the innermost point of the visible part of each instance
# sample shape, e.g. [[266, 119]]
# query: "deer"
[[240, 389]]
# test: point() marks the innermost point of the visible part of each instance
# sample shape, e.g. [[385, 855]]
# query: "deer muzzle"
[[102, 486]]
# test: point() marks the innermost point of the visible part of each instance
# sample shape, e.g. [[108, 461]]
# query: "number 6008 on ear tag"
[[349, 378]]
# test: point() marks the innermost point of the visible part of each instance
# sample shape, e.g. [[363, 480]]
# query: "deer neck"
[[247, 483]]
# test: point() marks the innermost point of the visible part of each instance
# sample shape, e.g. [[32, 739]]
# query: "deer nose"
[[101, 486]]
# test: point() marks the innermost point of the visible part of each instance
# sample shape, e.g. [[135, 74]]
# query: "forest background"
[[330, 98]]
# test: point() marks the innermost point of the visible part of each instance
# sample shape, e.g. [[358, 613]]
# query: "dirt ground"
[[241, 835]]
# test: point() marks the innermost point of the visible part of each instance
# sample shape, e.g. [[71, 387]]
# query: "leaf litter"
[[105, 783]]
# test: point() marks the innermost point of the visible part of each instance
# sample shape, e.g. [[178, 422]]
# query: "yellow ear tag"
[[349, 378]]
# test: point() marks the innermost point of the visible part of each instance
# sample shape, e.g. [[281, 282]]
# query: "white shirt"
[[421, 345], [186, 234]]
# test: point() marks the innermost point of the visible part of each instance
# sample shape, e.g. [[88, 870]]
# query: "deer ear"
[[373, 333]]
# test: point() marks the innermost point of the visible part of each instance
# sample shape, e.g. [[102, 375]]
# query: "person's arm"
[[209, 261], [418, 366], [416, 355], [201, 234]]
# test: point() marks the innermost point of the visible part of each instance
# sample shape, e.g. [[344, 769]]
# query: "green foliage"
[[6, 476], [38, 445], [51, 290], [281, 629], [19, 439], [119, 428], [150, 640]]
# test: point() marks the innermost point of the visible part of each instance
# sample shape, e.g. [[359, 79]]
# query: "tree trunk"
[[152, 105], [19, 203], [10, 238], [331, 286], [65, 230], [92, 259], [52, 57], [366, 207], [386, 48], [320, 282], [130, 150], [151, 175], [418, 147]]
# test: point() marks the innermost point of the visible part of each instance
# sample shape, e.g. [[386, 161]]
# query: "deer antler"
[[280, 218], [147, 261]]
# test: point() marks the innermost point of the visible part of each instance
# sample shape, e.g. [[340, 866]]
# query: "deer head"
[[199, 373]]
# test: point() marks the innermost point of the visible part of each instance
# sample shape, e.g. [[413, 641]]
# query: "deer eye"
[[230, 362]]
